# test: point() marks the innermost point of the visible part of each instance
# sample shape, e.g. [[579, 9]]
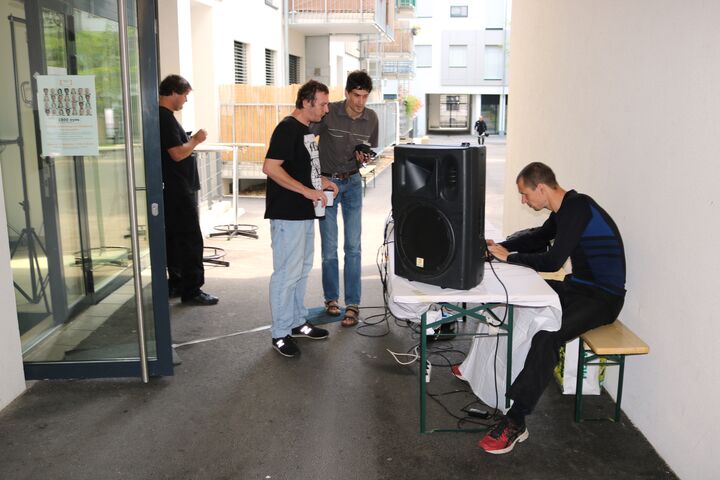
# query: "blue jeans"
[[350, 197], [292, 248]]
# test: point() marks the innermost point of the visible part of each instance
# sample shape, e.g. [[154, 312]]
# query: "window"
[[240, 62], [493, 62], [495, 14], [269, 67], [293, 70], [423, 55], [459, 11], [457, 56]]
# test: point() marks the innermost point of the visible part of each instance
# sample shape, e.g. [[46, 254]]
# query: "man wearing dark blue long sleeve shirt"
[[591, 296]]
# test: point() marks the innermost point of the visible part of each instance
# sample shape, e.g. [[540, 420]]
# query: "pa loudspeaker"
[[438, 202]]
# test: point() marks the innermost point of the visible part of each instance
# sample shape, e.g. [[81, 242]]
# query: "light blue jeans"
[[350, 197], [292, 248]]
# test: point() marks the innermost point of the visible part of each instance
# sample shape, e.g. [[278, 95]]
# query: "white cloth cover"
[[537, 307]]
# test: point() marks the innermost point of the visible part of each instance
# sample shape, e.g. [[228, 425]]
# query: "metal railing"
[[339, 11], [210, 170]]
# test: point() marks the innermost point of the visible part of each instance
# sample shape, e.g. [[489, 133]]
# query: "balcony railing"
[[344, 16]]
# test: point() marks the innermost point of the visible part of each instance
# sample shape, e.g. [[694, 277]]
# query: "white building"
[[461, 64], [213, 43]]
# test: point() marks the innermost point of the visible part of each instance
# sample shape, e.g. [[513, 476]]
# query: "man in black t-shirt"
[[294, 184], [183, 237], [591, 296]]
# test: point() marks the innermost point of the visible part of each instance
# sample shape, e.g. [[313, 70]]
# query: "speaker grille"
[[425, 240]]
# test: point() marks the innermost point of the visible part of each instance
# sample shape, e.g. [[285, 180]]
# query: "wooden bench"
[[365, 172], [607, 345]]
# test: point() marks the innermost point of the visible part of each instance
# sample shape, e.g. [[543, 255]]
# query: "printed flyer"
[[67, 111]]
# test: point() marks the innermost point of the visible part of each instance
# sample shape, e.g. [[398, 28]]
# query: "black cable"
[[497, 340]]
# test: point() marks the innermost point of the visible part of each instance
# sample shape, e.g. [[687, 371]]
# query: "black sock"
[[516, 414]]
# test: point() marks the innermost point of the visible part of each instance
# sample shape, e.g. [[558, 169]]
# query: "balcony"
[[400, 69], [405, 8], [338, 17], [400, 48]]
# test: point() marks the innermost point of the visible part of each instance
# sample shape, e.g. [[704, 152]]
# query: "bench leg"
[[579, 381], [621, 362]]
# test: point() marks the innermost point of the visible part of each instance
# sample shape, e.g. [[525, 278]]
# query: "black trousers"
[[584, 308], [184, 244]]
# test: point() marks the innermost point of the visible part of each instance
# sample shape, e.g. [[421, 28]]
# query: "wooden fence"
[[249, 114]]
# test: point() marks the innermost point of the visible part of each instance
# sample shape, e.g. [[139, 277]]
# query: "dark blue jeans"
[[349, 199]]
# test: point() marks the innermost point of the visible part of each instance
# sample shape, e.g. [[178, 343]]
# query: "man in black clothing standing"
[[183, 237], [591, 296], [481, 128]]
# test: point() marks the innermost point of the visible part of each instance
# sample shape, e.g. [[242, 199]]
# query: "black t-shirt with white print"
[[292, 143]]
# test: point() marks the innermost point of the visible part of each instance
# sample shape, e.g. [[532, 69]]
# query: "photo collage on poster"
[[67, 102]]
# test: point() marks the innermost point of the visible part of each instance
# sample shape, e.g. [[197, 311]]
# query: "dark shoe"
[[503, 437], [286, 346], [309, 331], [201, 298], [174, 292]]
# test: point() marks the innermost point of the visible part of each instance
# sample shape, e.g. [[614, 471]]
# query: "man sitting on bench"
[[591, 296]]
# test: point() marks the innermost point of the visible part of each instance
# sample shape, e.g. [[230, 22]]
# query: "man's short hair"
[[308, 91], [174, 84], [358, 80], [536, 173]]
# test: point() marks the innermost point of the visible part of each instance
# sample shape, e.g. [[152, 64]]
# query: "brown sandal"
[[332, 308], [351, 316]]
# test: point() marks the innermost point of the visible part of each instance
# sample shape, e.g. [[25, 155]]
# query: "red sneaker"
[[503, 437], [455, 369]]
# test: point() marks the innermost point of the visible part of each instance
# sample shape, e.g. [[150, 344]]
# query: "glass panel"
[[54, 41], [92, 203], [21, 184]]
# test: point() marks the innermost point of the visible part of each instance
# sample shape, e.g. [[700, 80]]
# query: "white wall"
[[12, 378], [204, 91], [176, 50], [621, 99]]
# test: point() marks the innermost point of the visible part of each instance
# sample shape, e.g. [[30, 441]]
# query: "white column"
[[175, 46]]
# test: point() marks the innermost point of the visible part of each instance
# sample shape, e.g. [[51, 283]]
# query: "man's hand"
[[200, 136], [315, 195], [181, 152], [497, 251], [362, 158], [327, 184]]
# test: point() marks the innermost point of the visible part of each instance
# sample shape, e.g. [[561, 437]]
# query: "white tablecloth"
[[536, 307]]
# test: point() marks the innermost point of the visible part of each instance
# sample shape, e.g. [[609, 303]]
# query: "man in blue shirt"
[[591, 296]]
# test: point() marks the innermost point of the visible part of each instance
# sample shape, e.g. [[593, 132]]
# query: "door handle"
[[26, 98]]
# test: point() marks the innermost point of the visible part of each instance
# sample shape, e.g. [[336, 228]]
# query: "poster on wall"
[[68, 122]]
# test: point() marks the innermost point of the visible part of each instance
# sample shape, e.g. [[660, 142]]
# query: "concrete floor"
[[344, 409]]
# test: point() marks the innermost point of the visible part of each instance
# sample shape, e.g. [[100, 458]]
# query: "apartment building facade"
[[461, 60]]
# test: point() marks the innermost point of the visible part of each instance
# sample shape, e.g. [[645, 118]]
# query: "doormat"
[[317, 316]]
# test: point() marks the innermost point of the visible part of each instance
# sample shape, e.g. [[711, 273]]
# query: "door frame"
[[146, 16]]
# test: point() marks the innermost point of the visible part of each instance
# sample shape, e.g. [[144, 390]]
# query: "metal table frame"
[[479, 312]]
